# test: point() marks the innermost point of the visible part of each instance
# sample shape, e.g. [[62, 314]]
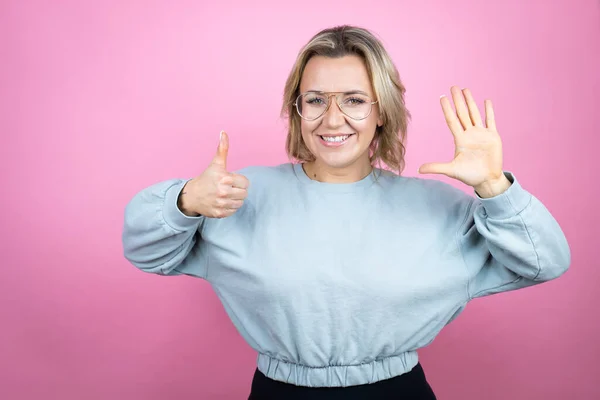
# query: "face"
[[336, 140]]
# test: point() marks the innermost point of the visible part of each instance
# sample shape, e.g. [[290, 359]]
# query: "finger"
[[221, 156], [240, 181], [225, 212], [437, 168], [227, 191], [228, 212], [473, 110], [451, 120], [461, 108], [490, 119], [238, 194], [226, 180], [234, 204]]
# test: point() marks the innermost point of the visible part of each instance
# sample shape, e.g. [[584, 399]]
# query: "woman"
[[336, 271]]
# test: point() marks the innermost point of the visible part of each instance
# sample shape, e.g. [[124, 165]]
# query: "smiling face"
[[339, 143]]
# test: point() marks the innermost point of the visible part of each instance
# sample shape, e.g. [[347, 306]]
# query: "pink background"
[[100, 99]]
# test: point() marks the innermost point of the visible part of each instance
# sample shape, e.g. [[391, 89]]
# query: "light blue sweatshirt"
[[342, 284]]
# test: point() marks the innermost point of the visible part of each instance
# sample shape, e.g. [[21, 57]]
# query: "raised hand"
[[215, 193], [478, 149]]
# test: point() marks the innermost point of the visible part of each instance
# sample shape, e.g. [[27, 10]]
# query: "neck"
[[318, 171]]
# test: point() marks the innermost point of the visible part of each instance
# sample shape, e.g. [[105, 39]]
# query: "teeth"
[[335, 139]]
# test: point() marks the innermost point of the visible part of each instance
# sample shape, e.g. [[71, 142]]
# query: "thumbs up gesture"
[[215, 193]]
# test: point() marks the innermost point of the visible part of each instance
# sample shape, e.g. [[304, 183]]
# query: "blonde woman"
[[335, 270]]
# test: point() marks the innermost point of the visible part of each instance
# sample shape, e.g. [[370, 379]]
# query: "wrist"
[[182, 204], [493, 187]]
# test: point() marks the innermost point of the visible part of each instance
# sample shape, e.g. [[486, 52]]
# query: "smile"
[[335, 140]]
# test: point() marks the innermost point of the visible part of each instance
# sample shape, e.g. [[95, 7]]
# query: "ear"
[[380, 121]]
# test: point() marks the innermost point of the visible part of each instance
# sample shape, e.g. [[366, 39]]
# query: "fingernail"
[[220, 136], [442, 96]]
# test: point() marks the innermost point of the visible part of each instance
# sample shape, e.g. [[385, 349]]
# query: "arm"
[[510, 241], [158, 237]]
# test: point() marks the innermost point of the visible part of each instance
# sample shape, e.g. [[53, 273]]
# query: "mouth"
[[335, 140]]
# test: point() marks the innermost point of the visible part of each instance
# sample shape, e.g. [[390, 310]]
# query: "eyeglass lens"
[[313, 105]]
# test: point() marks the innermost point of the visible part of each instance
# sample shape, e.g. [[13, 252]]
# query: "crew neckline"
[[336, 187]]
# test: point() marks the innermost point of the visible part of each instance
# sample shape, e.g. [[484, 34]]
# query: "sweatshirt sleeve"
[[511, 241], [158, 238]]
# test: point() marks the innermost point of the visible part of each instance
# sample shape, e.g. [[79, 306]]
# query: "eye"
[[355, 100], [315, 101]]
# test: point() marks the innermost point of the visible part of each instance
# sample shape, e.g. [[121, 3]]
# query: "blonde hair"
[[388, 145]]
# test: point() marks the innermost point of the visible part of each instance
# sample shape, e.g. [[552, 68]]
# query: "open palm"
[[478, 148]]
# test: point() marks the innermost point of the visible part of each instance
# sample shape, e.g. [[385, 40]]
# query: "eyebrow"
[[348, 92]]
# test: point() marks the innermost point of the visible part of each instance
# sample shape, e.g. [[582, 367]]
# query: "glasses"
[[312, 105]]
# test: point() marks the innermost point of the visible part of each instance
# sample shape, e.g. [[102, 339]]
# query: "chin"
[[338, 160], [337, 163], [352, 153]]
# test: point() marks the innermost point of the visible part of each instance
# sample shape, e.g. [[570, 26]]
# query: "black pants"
[[409, 386]]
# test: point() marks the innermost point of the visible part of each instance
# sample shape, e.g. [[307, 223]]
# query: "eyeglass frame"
[[336, 94]]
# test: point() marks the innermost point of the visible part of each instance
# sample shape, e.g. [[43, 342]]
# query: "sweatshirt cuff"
[[173, 215], [508, 204]]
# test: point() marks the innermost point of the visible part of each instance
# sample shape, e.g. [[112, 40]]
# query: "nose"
[[334, 117]]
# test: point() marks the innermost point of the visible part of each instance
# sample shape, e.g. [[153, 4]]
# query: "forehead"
[[335, 75]]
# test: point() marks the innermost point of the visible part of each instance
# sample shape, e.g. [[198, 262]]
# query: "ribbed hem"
[[508, 204], [173, 215], [339, 375]]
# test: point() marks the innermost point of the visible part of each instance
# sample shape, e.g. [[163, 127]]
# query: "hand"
[[215, 193], [478, 155]]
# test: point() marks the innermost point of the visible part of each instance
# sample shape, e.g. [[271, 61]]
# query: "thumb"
[[437, 168], [221, 157]]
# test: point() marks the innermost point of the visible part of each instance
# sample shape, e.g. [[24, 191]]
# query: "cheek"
[[365, 128], [307, 128]]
